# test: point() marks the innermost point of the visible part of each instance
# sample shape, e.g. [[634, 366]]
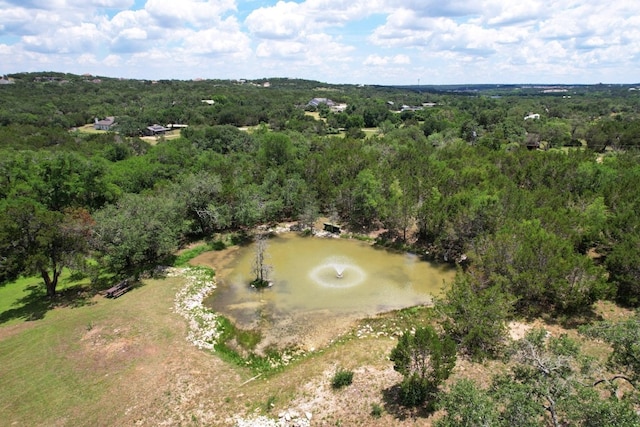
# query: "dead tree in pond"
[[260, 267]]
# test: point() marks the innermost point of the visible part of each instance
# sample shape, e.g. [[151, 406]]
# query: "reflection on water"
[[306, 283]]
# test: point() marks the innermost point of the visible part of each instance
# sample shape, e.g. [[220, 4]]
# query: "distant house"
[[338, 108], [105, 124], [411, 108], [532, 116], [317, 101], [156, 130], [333, 106]]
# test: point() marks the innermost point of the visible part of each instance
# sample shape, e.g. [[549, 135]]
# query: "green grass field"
[[60, 363], [25, 299]]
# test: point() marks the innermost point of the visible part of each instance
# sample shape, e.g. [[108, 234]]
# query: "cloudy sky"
[[335, 41]]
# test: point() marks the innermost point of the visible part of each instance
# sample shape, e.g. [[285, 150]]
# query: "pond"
[[320, 286]]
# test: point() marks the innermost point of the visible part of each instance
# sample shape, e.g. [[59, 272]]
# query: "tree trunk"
[[51, 283]]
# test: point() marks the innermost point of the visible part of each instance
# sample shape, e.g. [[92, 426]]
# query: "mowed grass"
[[25, 299], [66, 365]]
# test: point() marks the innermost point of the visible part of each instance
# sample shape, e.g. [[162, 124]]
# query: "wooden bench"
[[117, 290]]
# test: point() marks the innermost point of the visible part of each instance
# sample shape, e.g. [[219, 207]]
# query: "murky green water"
[[305, 282]]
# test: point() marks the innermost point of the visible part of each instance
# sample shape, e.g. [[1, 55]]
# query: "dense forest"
[[531, 191]]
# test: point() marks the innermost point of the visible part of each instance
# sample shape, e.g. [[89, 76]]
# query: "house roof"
[[108, 121], [317, 101], [157, 128]]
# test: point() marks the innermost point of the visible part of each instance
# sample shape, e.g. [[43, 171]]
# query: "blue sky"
[[335, 41]]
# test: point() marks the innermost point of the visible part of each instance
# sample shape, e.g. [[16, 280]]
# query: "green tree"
[[68, 179], [425, 359], [34, 240], [275, 150], [367, 198], [556, 375], [248, 207], [624, 338], [623, 264], [399, 210], [550, 383], [518, 402], [130, 126], [475, 316], [540, 268], [557, 132], [467, 405], [196, 193], [137, 232], [308, 216]]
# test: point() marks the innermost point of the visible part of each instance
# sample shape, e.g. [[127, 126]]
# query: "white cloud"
[[374, 41], [87, 59], [281, 49], [502, 13], [133, 34], [78, 40], [451, 8], [112, 61], [225, 39], [377, 60], [55, 5], [285, 20], [172, 13]]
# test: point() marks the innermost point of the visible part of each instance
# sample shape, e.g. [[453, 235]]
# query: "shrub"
[[475, 318], [426, 360], [376, 410], [342, 378]]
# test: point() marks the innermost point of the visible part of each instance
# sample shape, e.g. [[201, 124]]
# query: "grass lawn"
[[25, 299], [89, 129], [71, 365]]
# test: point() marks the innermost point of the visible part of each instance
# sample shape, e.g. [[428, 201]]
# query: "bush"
[[426, 360], [218, 245], [376, 410], [260, 284], [415, 390], [475, 318], [342, 378]]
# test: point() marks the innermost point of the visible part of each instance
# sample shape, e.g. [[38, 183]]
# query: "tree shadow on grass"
[[36, 304], [392, 405]]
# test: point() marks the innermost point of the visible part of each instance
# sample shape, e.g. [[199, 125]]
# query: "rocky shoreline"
[[203, 323]]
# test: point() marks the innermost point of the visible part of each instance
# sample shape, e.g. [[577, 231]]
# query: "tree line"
[[556, 229]]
